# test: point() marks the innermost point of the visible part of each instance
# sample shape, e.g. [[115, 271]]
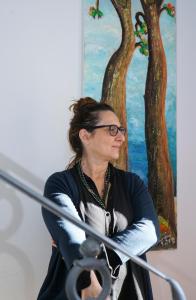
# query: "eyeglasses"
[[113, 129]]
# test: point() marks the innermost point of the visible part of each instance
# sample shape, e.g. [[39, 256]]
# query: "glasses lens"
[[113, 129], [122, 130]]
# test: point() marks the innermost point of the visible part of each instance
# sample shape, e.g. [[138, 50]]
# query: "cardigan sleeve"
[[143, 233], [67, 236]]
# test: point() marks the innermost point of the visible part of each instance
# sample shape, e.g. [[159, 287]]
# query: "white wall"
[[40, 72]]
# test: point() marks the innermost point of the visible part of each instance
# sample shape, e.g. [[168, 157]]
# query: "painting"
[[130, 63]]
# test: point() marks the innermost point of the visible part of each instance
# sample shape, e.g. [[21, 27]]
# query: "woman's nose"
[[120, 136]]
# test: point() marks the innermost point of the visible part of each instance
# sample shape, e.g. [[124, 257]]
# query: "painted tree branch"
[[137, 45], [160, 177], [162, 10], [122, 3], [114, 83], [138, 21], [97, 4], [141, 32], [160, 3]]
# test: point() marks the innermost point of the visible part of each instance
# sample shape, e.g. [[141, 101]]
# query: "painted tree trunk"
[[114, 83], [160, 177]]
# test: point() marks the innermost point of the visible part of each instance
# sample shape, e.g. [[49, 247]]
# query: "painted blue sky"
[[101, 39]]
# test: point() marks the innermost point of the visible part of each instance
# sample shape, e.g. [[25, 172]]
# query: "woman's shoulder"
[[58, 175], [60, 182], [131, 179]]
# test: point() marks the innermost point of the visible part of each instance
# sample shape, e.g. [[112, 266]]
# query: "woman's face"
[[101, 144]]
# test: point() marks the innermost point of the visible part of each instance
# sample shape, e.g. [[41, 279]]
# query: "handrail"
[[176, 289]]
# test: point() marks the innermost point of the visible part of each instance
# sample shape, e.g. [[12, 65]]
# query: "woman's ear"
[[84, 136]]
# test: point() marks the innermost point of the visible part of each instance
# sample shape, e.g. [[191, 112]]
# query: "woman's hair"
[[86, 114]]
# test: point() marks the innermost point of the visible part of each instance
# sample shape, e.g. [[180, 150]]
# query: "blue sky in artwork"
[[101, 39]]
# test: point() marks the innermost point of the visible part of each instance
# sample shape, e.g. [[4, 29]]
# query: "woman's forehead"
[[109, 117]]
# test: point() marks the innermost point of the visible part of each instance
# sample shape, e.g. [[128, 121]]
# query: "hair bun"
[[82, 103]]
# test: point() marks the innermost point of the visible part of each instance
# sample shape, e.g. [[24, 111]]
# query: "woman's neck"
[[93, 168]]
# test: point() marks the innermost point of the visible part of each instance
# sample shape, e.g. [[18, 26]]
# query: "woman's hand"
[[92, 290]]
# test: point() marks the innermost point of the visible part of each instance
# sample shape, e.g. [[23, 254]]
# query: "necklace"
[[106, 186]]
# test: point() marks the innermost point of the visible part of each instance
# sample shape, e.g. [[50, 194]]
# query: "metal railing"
[[176, 289]]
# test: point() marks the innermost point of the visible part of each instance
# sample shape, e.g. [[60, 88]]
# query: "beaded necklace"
[[107, 185]]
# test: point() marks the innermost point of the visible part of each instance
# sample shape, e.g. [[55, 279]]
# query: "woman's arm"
[[67, 236], [144, 231]]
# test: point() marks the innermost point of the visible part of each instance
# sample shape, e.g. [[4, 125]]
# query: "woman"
[[114, 202]]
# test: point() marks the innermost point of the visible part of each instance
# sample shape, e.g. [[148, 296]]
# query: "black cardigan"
[[135, 226]]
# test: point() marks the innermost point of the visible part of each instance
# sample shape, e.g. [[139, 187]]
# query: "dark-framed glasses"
[[112, 128]]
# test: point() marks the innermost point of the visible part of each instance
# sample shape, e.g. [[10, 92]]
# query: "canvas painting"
[[130, 63]]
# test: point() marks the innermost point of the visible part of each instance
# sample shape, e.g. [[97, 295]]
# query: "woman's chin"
[[115, 156]]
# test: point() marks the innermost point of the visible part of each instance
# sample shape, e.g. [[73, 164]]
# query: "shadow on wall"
[[9, 196]]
